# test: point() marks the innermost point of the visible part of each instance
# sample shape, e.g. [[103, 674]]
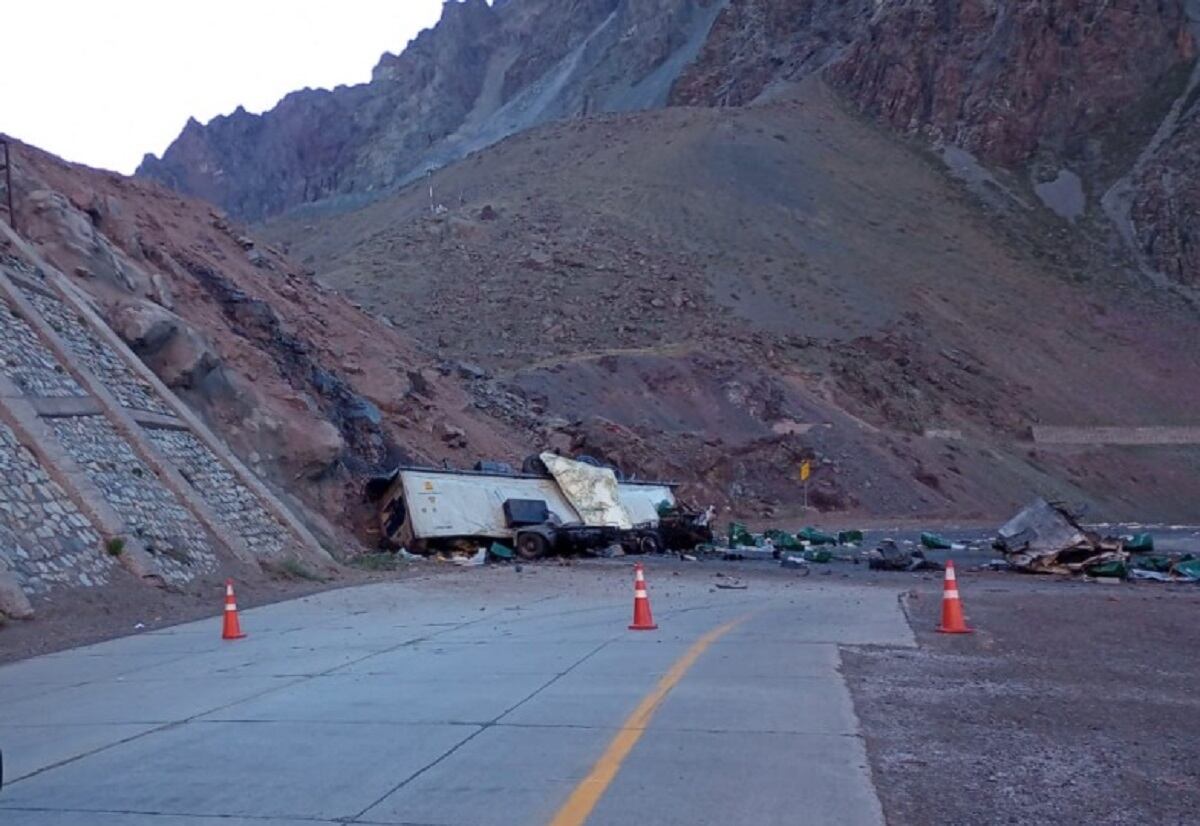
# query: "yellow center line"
[[587, 794]]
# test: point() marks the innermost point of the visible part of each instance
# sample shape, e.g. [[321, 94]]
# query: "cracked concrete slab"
[[407, 703], [321, 770]]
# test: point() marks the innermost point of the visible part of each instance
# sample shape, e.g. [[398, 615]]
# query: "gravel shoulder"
[[1072, 703]]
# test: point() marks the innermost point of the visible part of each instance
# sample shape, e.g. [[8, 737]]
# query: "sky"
[[103, 82]]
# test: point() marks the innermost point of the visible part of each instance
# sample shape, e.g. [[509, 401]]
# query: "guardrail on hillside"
[[1043, 434]]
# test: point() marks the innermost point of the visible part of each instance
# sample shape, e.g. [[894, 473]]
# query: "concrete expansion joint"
[[484, 727]]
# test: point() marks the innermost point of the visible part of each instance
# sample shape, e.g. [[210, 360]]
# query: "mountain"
[[1089, 104], [917, 240], [714, 294], [483, 73]]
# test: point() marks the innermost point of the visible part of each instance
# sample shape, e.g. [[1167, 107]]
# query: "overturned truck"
[[572, 506]]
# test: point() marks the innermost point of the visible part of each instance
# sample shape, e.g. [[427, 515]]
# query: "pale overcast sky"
[[103, 82]]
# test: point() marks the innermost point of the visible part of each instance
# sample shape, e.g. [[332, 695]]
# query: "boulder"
[[452, 435], [179, 355], [13, 602]]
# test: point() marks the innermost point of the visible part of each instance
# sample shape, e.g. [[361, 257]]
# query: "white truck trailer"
[[574, 506]]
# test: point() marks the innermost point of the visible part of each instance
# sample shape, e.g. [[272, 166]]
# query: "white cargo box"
[[441, 504]]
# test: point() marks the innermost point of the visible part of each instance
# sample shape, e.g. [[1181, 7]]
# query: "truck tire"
[[649, 544], [534, 466], [532, 546]]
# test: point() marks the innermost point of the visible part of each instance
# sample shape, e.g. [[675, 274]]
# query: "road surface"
[[479, 700]]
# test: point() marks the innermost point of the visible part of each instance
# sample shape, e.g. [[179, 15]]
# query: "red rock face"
[[1009, 79], [756, 43], [1074, 83]]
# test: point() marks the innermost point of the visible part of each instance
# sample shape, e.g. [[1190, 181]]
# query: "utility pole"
[[6, 165]]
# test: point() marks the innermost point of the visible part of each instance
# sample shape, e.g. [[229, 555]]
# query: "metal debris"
[[1046, 538]]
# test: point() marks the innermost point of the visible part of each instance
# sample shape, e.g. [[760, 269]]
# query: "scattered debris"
[[1113, 567], [500, 551], [472, 561], [749, 552], [815, 537], [1188, 566], [1158, 568], [782, 539], [1142, 543], [935, 542], [798, 563], [1047, 538], [890, 557], [736, 585], [740, 536]]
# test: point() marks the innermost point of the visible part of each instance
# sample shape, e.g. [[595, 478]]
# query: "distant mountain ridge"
[[1089, 104], [482, 73]]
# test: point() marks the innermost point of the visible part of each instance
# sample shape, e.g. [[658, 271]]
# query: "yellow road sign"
[[805, 470]]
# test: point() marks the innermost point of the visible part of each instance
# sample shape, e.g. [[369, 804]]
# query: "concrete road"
[[489, 698]]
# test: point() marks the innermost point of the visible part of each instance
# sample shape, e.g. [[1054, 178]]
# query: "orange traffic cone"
[[642, 619], [952, 613], [233, 629]]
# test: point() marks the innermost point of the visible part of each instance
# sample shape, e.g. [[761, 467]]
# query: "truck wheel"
[[649, 544], [532, 546], [534, 466]]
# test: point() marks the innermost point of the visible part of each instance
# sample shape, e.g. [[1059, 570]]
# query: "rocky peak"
[[482, 73], [757, 44]]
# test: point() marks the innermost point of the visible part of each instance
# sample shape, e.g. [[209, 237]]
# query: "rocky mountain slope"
[[484, 72], [1087, 104], [714, 294], [891, 235], [311, 392]]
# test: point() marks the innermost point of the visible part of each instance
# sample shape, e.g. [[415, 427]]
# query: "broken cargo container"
[[1046, 538], [575, 505]]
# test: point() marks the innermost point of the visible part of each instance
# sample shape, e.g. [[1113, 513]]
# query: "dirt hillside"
[[716, 293]]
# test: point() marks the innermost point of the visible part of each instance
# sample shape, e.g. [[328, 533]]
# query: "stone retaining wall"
[[94, 448], [154, 515], [233, 503], [44, 539], [131, 391], [30, 364]]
